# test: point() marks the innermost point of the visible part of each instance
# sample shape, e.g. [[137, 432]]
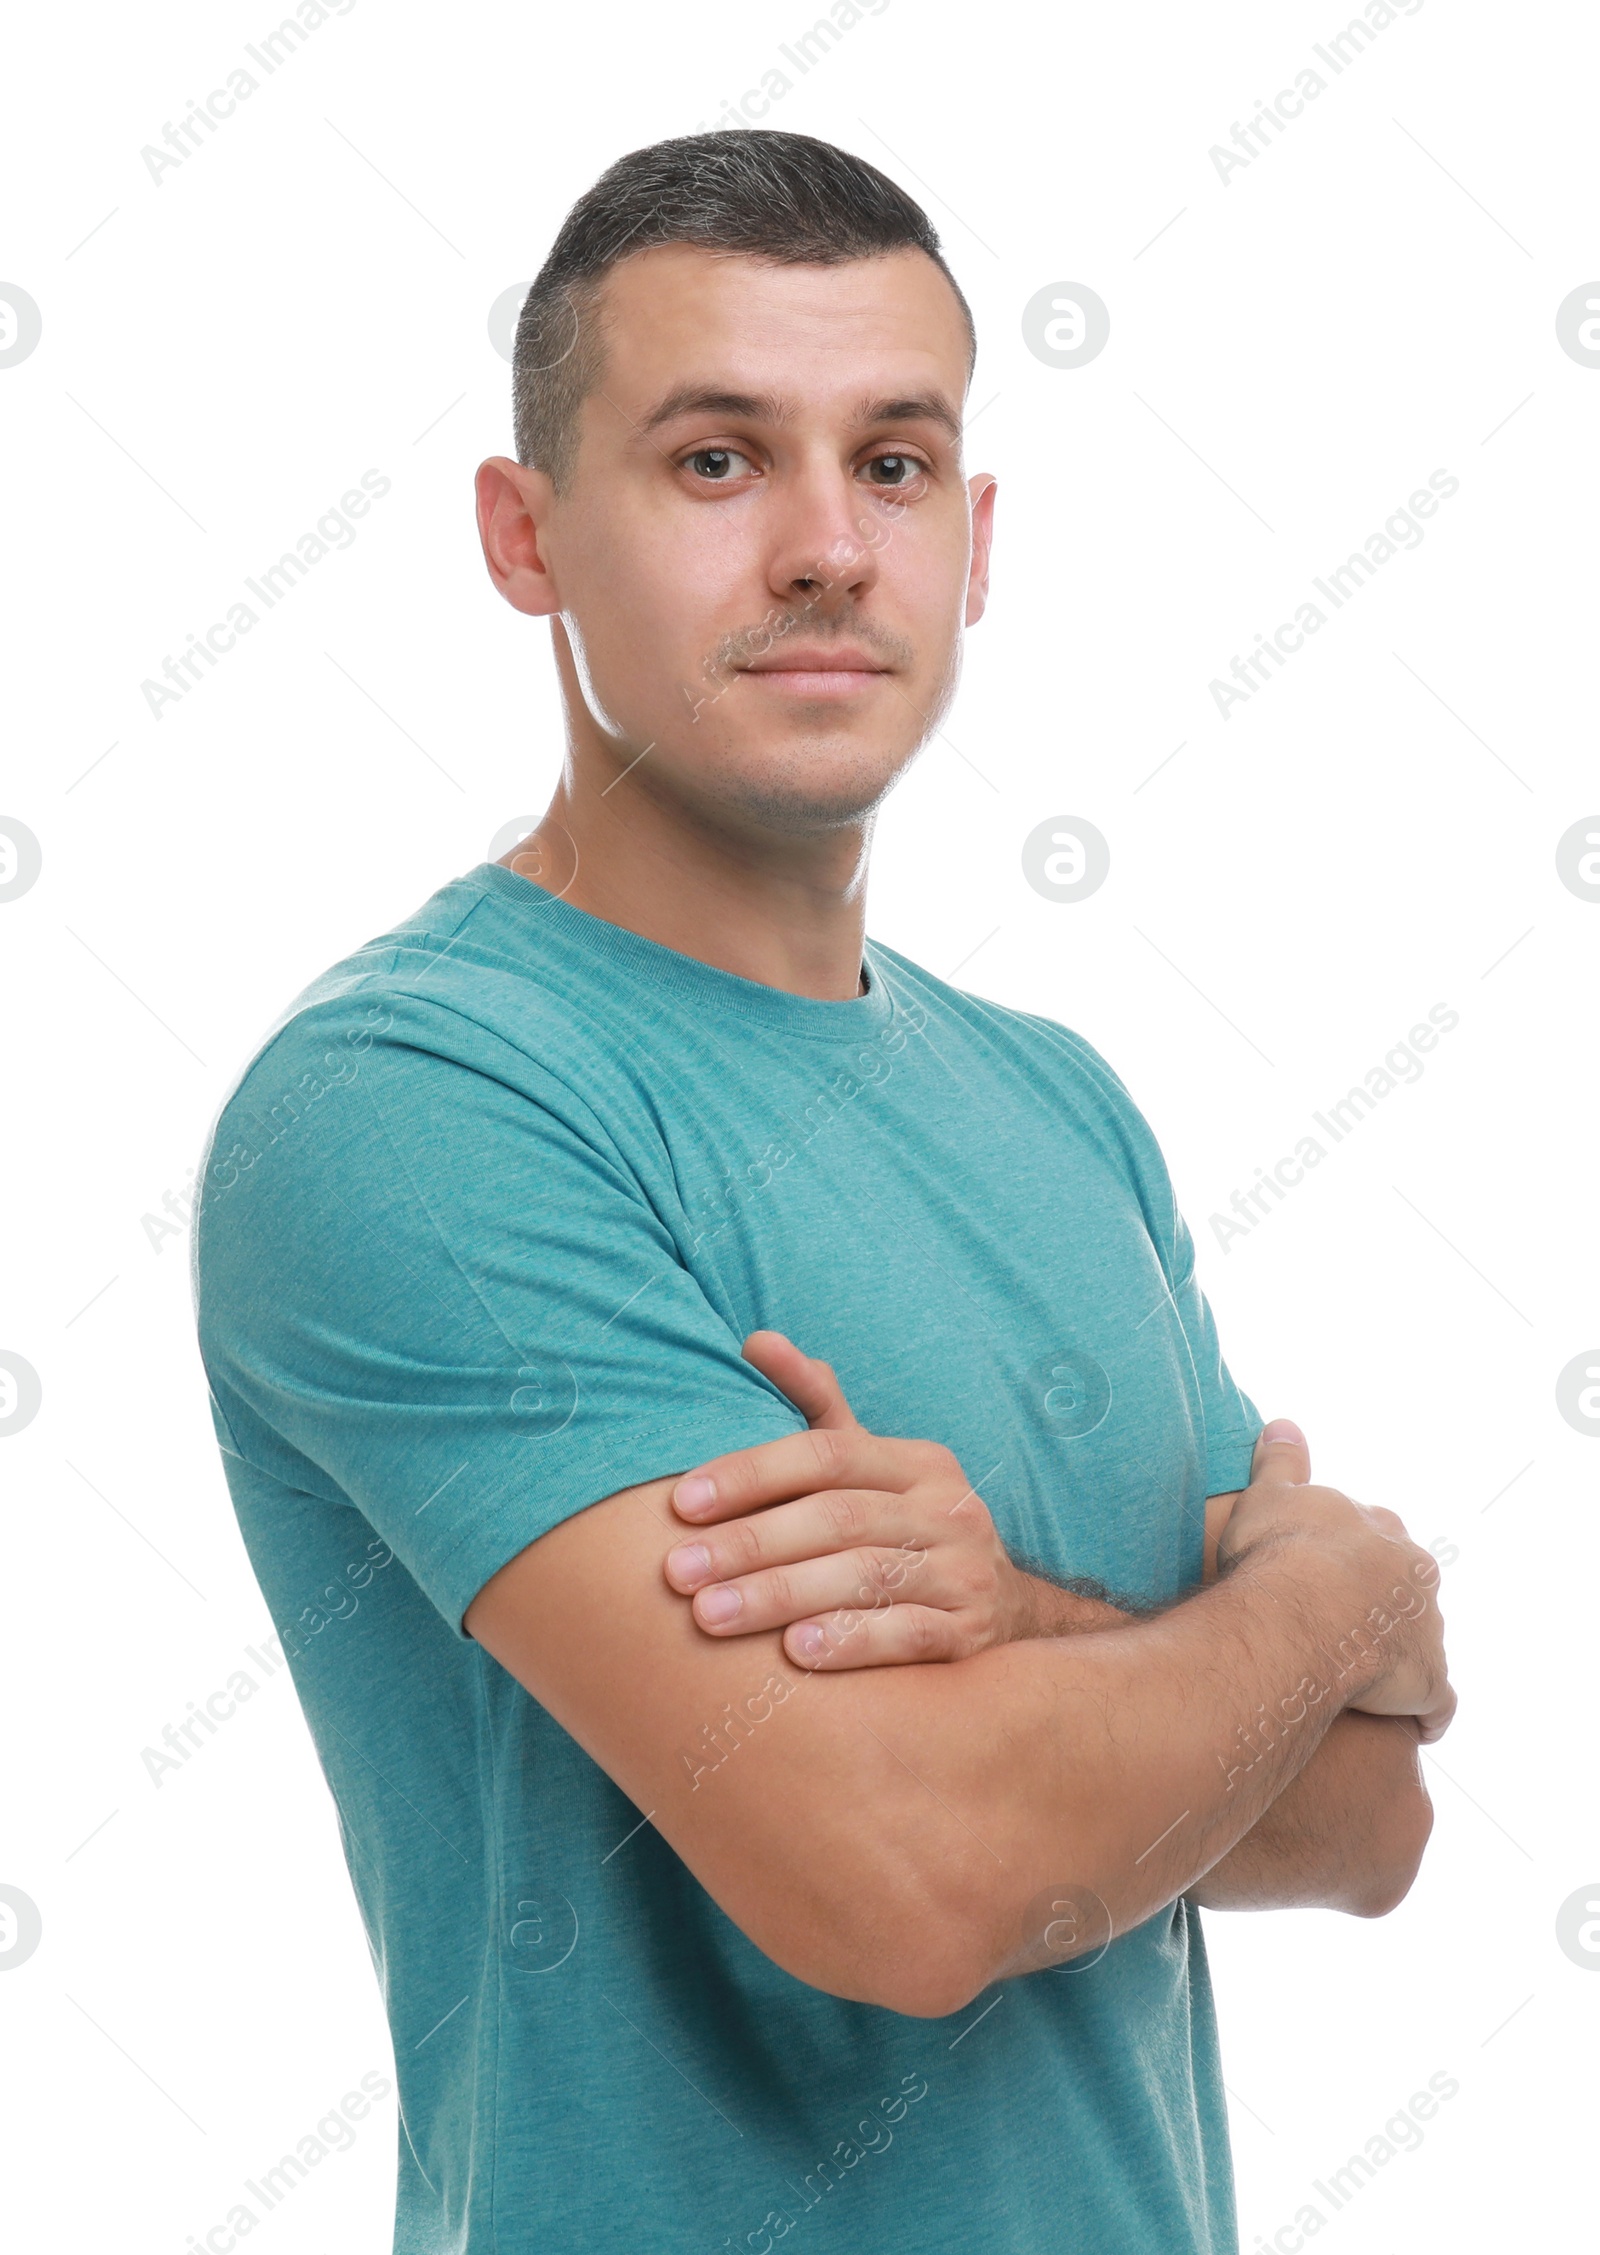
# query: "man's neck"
[[785, 910]]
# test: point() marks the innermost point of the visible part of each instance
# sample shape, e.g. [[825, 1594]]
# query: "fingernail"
[[691, 1562], [810, 1641], [719, 1604], [694, 1493], [1281, 1429]]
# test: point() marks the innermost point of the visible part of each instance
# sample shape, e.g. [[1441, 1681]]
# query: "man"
[[778, 1790]]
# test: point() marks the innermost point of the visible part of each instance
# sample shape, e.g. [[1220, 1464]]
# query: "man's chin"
[[795, 796], [805, 817]]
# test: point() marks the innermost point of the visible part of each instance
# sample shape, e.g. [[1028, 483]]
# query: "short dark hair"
[[778, 196]]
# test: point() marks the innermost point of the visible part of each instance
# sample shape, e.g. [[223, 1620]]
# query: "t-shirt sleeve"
[[1232, 1419], [426, 1291]]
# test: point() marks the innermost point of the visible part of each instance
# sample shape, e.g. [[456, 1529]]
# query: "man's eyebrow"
[[920, 407], [766, 407], [698, 399]]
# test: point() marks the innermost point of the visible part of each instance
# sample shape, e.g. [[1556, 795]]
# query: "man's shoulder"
[[1043, 1061], [439, 1045], [459, 980], [916, 989]]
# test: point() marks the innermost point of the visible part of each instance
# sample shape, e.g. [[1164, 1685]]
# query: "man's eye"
[[893, 469], [718, 465]]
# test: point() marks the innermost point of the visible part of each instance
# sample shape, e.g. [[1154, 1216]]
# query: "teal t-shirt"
[[482, 1228]]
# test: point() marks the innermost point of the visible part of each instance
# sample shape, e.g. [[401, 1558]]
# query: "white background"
[[1292, 352]]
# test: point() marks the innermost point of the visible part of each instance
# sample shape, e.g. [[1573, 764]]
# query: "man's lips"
[[813, 671]]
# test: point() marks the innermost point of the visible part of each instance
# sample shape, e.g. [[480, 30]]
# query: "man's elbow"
[[929, 1940], [943, 1984], [897, 1951], [903, 1932], [1391, 1879], [924, 1926]]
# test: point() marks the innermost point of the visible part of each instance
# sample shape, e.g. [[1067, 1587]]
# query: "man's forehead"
[[687, 323]]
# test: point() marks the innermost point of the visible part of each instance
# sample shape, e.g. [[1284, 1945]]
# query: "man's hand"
[[869, 1552], [1403, 1633], [865, 1551]]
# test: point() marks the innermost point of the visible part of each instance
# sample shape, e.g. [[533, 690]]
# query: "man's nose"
[[821, 552]]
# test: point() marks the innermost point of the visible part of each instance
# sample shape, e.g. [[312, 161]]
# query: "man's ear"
[[982, 490], [514, 505]]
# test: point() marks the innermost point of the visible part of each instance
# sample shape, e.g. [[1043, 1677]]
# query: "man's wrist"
[[1331, 1604], [1041, 1607]]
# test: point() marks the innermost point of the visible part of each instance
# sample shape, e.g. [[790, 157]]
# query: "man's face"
[[767, 550]]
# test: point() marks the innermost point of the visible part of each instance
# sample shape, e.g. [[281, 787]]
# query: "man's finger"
[[871, 1580], [781, 1535], [800, 1464], [891, 1638], [809, 1384], [1281, 1455]]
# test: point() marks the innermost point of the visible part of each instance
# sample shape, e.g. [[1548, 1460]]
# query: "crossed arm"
[[1346, 1833], [981, 1737]]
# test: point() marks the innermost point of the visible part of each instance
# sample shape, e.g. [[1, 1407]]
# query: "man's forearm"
[[1114, 1767], [1346, 1833]]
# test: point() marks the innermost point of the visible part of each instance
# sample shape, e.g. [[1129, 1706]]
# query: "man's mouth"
[[817, 670]]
